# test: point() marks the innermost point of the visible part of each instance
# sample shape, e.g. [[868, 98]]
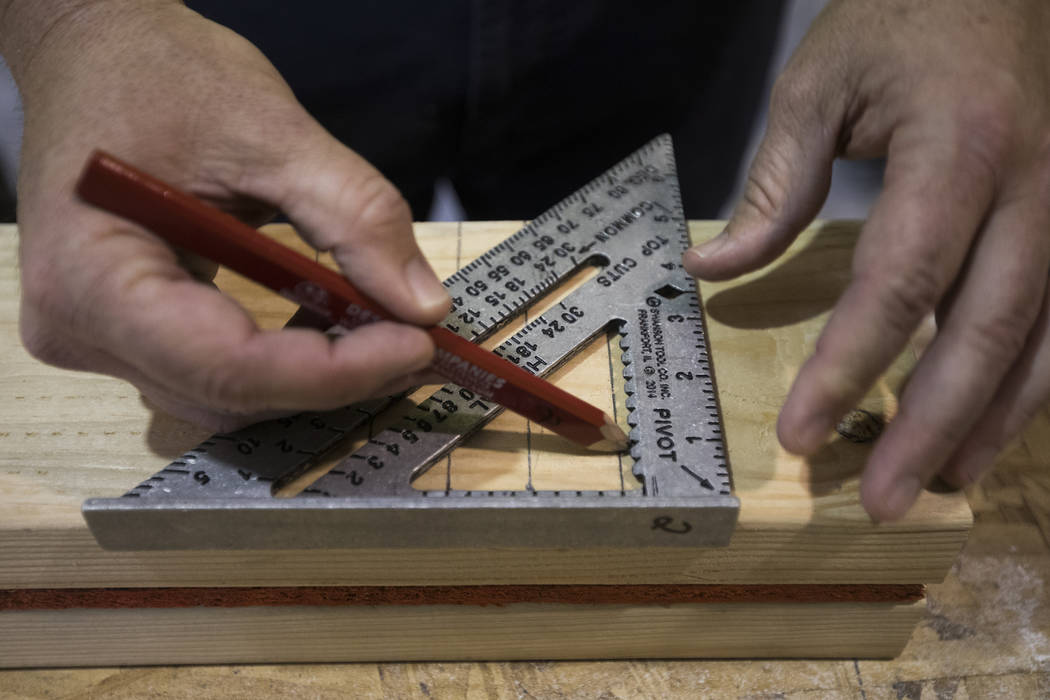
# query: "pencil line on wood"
[[609, 339], [528, 423], [459, 264]]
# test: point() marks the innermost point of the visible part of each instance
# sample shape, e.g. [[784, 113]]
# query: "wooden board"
[[984, 632], [67, 436], [407, 633]]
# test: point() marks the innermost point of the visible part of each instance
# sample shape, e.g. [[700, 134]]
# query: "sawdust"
[[1014, 595]]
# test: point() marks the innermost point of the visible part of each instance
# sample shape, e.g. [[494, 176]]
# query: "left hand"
[[956, 95]]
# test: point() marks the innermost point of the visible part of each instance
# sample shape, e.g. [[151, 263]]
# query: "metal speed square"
[[629, 223]]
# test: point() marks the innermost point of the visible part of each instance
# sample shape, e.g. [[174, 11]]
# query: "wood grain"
[[407, 633], [985, 632], [68, 436]]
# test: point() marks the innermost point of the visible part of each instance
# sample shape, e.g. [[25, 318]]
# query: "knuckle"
[[40, 342], [805, 94], [990, 120], [224, 388], [988, 125], [766, 189], [947, 435], [378, 207], [49, 342], [999, 337], [792, 92], [45, 312], [40, 291], [838, 386], [906, 294]]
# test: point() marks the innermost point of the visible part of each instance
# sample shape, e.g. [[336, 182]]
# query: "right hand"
[[194, 104], [955, 95]]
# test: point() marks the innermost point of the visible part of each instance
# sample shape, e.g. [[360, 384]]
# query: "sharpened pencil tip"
[[614, 439]]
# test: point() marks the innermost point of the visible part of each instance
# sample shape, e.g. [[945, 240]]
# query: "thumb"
[[341, 204], [786, 184]]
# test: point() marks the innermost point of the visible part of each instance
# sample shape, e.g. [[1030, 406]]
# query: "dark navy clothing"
[[519, 103]]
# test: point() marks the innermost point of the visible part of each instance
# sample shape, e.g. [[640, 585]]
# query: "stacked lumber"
[[807, 573]]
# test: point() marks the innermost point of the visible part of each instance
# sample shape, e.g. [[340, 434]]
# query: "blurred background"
[[854, 184]]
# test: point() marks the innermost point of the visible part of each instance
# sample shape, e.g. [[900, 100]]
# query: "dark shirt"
[[520, 103]]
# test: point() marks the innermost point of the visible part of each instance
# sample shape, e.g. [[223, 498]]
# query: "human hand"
[[956, 95], [196, 105]]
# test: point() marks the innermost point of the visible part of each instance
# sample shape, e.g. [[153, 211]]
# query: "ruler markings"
[[630, 219]]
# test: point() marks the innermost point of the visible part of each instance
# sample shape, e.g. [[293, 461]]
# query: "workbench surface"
[[986, 630]]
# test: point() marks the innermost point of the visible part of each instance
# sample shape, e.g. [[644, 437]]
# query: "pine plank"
[[68, 436], [406, 633]]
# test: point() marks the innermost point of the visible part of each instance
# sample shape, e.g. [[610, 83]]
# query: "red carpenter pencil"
[[188, 223]]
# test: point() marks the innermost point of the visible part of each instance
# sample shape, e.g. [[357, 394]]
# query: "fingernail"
[[706, 250], [425, 285], [901, 497]]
